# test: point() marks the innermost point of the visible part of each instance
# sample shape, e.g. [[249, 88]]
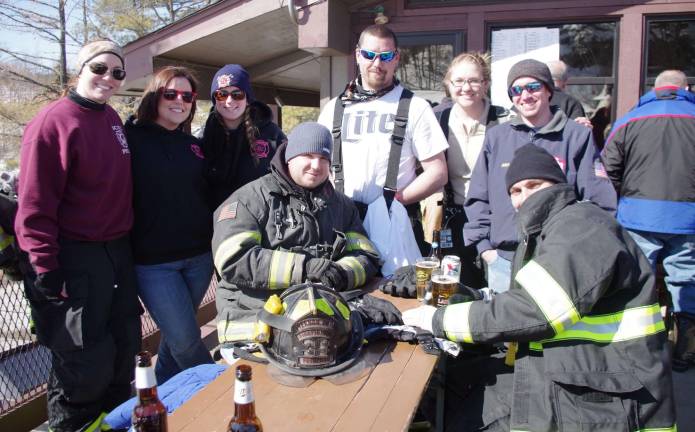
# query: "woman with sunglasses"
[[74, 218], [173, 218], [464, 123], [240, 138]]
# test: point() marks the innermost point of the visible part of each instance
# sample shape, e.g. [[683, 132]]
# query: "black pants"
[[471, 273], [93, 335]]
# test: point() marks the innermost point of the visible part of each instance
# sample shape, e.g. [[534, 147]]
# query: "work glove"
[[375, 310], [420, 317], [326, 272], [51, 285], [402, 284]]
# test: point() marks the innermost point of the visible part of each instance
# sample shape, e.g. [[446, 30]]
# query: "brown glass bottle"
[[244, 419], [149, 414]]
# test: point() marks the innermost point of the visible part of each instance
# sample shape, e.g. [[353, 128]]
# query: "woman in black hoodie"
[[240, 138], [173, 219]]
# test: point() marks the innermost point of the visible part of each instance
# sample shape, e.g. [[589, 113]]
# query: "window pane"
[[422, 68], [587, 48], [670, 46]]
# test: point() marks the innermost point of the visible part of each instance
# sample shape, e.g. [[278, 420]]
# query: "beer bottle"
[[149, 414], [436, 248], [244, 419]]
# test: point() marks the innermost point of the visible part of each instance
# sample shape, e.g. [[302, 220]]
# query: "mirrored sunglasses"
[[385, 56], [172, 94], [222, 95], [531, 87], [101, 68]]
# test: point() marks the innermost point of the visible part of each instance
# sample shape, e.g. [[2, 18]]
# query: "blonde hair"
[[482, 60]]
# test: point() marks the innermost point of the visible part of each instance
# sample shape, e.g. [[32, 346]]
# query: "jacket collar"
[[542, 206], [556, 123], [667, 92]]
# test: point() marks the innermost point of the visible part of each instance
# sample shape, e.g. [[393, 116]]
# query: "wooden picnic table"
[[384, 400]]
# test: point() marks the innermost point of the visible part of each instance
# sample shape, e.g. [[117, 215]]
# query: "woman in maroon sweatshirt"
[[74, 216]]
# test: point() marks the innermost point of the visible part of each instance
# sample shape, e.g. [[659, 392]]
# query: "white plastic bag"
[[392, 234]]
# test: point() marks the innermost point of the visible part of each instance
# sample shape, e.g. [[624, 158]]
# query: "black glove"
[[50, 285], [375, 310], [402, 284], [465, 294], [326, 272]]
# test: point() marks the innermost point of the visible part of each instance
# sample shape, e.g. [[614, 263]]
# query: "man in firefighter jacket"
[[283, 229], [582, 317]]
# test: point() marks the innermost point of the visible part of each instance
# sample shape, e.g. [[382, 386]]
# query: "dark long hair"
[[147, 110]]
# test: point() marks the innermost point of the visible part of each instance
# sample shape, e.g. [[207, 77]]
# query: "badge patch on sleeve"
[[228, 211]]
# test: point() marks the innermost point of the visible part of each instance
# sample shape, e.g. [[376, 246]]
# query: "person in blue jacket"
[[491, 225], [649, 157]]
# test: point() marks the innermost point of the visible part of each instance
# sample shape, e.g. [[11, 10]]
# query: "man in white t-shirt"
[[370, 104]]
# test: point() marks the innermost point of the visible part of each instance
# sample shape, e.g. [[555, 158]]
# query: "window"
[[669, 45], [425, 58]]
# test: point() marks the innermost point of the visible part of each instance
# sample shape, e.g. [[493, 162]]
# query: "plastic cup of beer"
[[443, 286], [423, 272]]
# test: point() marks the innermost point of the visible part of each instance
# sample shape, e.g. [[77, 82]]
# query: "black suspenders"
[[397, 138]]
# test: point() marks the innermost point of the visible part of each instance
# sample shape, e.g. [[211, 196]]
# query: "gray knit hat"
[[309, 137], [96, 48], [531, 68]]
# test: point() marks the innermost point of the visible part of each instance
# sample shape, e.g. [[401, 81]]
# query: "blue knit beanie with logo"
[[232, 75]]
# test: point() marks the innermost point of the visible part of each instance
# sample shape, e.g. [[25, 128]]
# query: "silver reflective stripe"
[[232, 245], [455, 322], [280, 272], [355, 267], [550, 297]]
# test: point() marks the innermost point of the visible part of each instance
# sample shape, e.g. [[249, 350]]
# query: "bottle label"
[[243, 392], [144, 378]]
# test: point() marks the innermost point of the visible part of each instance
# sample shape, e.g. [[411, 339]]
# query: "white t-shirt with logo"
[[366, 142]]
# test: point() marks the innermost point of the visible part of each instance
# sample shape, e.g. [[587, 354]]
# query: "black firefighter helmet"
[[317, 335]]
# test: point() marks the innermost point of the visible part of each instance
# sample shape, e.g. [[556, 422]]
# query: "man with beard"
[[367, 117]]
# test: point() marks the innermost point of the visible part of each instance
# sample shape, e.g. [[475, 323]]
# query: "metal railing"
[[25, 365]]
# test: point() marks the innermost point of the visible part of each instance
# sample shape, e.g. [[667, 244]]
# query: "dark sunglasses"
[[385, 56], [531, 87], [222, 95], [100, 69], [172, 94]]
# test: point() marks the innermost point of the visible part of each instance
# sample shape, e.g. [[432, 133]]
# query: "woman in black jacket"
[[173, 219], [240, 138]]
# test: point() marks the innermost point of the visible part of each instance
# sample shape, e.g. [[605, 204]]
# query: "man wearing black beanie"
[[491, 225], [582, 322]]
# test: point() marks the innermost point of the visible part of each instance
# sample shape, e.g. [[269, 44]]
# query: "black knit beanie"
[[533, 162], [531, 68], [309, 137]]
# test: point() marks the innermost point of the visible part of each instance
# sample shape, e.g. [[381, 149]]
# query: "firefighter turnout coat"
[[592, 351], [266, 231]]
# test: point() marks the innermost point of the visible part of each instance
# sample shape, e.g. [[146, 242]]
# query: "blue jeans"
[[172, 293], [499, 274], [678, 254]]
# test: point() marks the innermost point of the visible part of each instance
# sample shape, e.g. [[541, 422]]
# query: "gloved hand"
[[51, 285], [402, 284], [465, 294], [420, 317], [375, 310], [326, 272]]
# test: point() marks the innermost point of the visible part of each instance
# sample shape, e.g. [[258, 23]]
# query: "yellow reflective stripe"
[[455, 322], [343, 309], [233, 331], [280, 272], [96, 424], [358, 242], [304, 307], [553, 301], [673, 428], [616, 327], [357, 270], [231, 246]]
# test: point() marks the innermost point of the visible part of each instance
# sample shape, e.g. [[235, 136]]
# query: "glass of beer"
[[423, 272], [443, 286]]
